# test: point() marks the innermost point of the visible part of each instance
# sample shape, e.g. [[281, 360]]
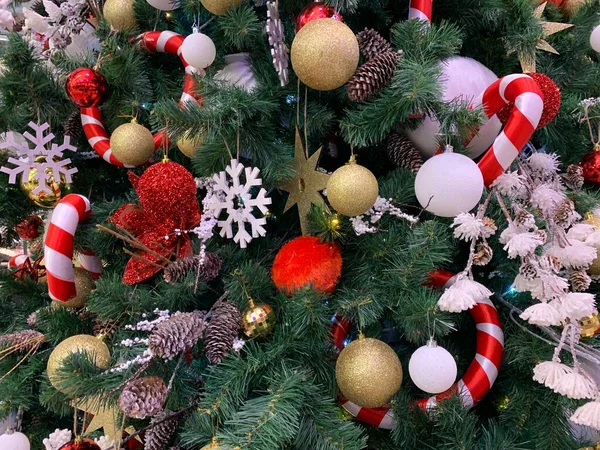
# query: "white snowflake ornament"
[[47, 161], [274, 28], [234, 196]]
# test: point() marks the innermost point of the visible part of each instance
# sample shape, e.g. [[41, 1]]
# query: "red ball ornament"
[[590, 164], [314, 11], [86, 87], [306, 261], [551, 94], [29, 228], [81, 444]]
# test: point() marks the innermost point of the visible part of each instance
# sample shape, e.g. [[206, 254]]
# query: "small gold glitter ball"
[[81, 343], [258, 320], [591, 219], [132, 144], [50, 199], [325, 54], [352, 189], [368, 372], [189, 146], [84, 285], [590, 326], [119, 14], [220, 7]]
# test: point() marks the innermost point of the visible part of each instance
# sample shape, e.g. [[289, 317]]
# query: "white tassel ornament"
[[463, 295], [543, 314], [550, 373], [588, 415], [575, 385]]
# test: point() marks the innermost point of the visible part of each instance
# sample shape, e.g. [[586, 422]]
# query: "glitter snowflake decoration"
[[234, 196], [46, 161], [275, 33]]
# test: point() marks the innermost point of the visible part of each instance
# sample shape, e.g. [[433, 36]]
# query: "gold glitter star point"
[[304, 188], [105, 417], [548, 29]]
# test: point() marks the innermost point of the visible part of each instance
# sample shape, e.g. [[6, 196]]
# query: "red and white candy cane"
[[475, 383], [420, 9], [58, 245], [17, 261], [91, 263], [91, 118], [524, 92]]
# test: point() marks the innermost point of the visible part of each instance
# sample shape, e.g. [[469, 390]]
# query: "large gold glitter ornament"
[[189, 146], [44, 199], [132, 144], [590, 326], [570, 7], [220, 7], [325, 54], [305, 187], [352, 189], [258, 320], [591, 219], [120, 14], [81, 343], [368, 372], [84, 285]]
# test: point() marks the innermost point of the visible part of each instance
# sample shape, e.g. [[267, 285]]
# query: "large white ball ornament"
[[462, 79], [164, 5], [432, 368], [14, 441], [449, 184], [595, 39], [198, 50]]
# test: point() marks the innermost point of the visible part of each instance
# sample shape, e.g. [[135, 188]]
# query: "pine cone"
[[528, 271], [541, 234], [24, 341], [574, 176], [524, 218], [565, 213], [73, 127], [143, 397], [222, 330], [580, 280], [176, 334], [551, 262], [161, 433], [36, 248], [371, 43], [372, 76], [490, 225], [178, 270], [402, 153], [32, 319], [483, 254]]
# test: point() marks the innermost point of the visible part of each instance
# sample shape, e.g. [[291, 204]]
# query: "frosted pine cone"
[[574, 176], [24, 341], [32, 319], [580, 280], [402, 153], [36, 248], [371, 43], [178, 270], [143, 397], [160, 433], [222, 330], [372, 76], [565, 214], [490, 224], [483, 254], [176, 334], [524, 218], [528, 271]]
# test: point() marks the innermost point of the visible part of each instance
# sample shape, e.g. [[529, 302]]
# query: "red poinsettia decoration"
[[167, 206], [30, 227]]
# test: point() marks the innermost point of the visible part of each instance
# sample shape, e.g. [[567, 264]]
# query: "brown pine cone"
[[36, 248], [580, 280], [222, 330], [371, 43], [178, 270], [528, 271], [23, 341], [402, 153], [372, 76], [73, 127], [564, 214], [574, 176], [176, 335], [483, 254], [525, 218], [160, 433], [143, 397], [490, 225]]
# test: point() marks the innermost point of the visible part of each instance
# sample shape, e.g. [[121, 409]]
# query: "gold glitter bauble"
[[84, 285], [325, 54], [590, 326], [368, 372], [220, 7], [570, 7], [591, 219], [45, 199], [132, 144], [189, 146], [258, 320], [352, 189], [120, 14], [81, 343]]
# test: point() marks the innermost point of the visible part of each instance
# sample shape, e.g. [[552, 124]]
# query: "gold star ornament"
[[107, 418], [304, 189], [548, 29]]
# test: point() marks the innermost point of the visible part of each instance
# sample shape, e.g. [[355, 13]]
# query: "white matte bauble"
[[449, 184], [432, 368], [595, 39], [238, 72], [462, 79], [198, 50], [164, 5], [14, 441]]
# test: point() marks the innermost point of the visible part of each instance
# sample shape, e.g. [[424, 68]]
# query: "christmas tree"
[[289, 225]]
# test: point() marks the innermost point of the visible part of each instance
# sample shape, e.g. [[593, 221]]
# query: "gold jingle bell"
[[58, 189], [258, 320]]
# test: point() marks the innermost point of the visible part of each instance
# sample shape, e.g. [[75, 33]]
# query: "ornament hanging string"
[[586, 118]]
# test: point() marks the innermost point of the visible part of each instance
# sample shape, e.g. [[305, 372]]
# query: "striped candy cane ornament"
[[475, 383], [58, 245], [91, 118], [17, 261], [420, 9], [91, 263]]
